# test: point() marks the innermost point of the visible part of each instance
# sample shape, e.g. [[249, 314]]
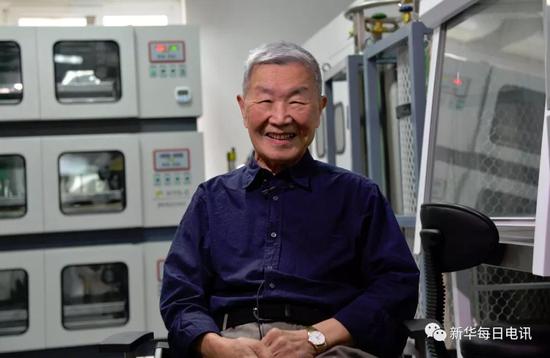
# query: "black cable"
[[256, 310]]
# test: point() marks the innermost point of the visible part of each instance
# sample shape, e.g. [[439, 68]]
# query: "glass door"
[[87, 71], [14, 302], [491, 101], [92, 182], [95, 295], [11, 77], [13, 198]]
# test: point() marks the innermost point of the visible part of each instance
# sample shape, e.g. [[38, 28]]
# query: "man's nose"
[[280, 114]]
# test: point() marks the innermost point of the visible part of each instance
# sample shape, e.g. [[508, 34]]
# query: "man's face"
[[281, 111]]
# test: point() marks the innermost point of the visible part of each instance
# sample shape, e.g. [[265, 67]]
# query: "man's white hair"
[[281, 53]]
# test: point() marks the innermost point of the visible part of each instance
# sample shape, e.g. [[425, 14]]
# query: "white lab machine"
[[93, 292], [18, 74], [91, 182], [21, 208], [99, 73], [168, 71], [88, 73], [22, 306], [172, 166], [154, 254], [66, 183]]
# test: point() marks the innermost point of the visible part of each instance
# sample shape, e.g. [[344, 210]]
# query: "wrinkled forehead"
[[294, 77]]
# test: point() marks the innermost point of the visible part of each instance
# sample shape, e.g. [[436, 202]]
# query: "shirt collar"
[[300, 173]]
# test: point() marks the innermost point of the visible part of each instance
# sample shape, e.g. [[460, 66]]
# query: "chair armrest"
[[125, 341]]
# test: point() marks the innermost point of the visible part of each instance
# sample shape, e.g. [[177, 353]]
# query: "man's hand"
[[215, 346], [283, 343]]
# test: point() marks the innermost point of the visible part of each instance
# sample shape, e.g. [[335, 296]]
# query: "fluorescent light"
[[135, 20], [456, 57], [51, 21]]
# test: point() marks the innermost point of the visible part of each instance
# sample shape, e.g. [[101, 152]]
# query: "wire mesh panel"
[[510, 296], [511, 130], [406, 133]]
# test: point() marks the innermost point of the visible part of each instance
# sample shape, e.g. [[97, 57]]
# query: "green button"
[[157, 179]]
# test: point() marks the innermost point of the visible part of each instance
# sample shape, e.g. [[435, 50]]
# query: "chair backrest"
[[460, 237], [454, 237]]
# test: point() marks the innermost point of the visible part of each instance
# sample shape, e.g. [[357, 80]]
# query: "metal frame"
[[413, 34], [350, 69]]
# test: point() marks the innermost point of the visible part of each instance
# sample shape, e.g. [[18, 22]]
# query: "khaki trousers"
[[251, 330]]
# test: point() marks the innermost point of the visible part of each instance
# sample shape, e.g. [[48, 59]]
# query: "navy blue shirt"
[[314, 234]]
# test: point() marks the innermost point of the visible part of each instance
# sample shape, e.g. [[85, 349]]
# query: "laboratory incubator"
[[91, 200]]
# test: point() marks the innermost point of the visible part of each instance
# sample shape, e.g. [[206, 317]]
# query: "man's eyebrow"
[[265, 90], [298, 90], [295, 91]]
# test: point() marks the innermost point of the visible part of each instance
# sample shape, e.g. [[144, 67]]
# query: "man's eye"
[[297, 102], [265, 101]]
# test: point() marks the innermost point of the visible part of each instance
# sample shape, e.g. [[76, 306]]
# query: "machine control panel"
[[172, 175], [173, 167], [167, 59], [166, 51], [168, 64]]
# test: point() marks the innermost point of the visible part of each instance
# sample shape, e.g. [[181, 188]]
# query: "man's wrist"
[[208, 343]]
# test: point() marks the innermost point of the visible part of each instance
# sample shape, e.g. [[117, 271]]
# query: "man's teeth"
[[281, 136]]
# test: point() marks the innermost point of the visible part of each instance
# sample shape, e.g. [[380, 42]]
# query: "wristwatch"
[[317, 339]]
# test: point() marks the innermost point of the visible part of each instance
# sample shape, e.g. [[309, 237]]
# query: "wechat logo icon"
[[435, 331]]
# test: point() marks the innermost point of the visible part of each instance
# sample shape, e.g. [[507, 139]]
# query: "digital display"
[[174, 159], [166, 51]]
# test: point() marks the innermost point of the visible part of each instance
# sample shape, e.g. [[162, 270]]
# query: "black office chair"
[[454, 238], [134, 344]]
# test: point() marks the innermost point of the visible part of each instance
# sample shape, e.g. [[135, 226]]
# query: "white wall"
[[229, 29], [11, 10]]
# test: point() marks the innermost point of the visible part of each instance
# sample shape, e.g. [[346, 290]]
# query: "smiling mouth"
[[281, 136]]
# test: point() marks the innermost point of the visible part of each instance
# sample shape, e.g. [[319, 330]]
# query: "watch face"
[[317, 338]]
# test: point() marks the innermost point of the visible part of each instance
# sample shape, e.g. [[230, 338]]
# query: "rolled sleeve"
[[390, 277], [186, 279]]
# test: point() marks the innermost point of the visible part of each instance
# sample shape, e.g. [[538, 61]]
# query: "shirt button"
[[275, 197], [271, 285], [273, 235]]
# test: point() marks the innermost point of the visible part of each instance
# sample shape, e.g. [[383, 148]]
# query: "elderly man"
[[287, 256]]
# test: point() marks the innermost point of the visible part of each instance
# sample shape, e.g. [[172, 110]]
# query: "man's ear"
[[240, 101], [323, 102]]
